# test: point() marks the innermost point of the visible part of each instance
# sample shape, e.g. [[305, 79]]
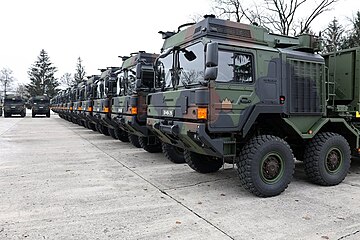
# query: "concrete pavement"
[[61, 181]]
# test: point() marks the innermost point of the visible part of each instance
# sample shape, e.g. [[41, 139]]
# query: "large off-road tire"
[[134, 140], [92, 126], [202, 163], [99, 128], [105, 130], [48, 114], [266, 165], [112, 133], [151, 148], [23, 113], [122, 135], [33, 114], [174, 154], [327, 159]]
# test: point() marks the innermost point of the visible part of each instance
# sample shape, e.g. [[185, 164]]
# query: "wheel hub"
[[271, 168], [333, 160]]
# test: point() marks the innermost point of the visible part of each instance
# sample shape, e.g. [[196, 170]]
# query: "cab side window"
[[235, 67], [243, 69]]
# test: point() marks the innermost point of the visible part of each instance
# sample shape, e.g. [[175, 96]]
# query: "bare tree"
[[281, 16], [229, 9], [21, 90], [67, 80], [6, 78]]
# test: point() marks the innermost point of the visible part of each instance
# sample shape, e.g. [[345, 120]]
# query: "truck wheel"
[[92, 126], [134, 140], [48, 114], [327, 159], [151, 148], [105, 130], [23, 114], [174, 154], [99, 128], [33, 114], [112, 133], [266, 165], [122, 135], [202, 163]]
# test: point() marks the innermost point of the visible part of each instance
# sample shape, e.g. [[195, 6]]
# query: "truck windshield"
[[40, 101], [13, 101], [120, 84], [100, 90], [130, 78], [182, 67]]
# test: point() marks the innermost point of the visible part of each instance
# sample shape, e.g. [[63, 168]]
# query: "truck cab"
[[14, 105], [136, 81], [88, 102], [40, 105], [106, 90]]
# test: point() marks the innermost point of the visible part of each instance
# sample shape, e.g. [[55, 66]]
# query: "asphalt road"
[[61, 181]]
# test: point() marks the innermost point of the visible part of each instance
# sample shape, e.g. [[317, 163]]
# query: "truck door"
[[233, 92]]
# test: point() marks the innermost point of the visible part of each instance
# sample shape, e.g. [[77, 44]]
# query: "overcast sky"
[[99, 31]]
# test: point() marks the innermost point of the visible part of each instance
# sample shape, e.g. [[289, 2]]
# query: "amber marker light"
[[80, 108], [134, 110], [106, 109], [202, 113], [90, 109], [71, 108]]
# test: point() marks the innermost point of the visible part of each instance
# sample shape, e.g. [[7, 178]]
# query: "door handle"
[[245, 100]]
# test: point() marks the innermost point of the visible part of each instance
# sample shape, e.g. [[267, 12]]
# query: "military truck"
[[40, 105], [235, 93], [77, 104], [13, 105], [128, 108], [106, 89], [88, 103]]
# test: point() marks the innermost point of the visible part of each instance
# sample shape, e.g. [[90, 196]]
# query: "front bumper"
[[192, 136]]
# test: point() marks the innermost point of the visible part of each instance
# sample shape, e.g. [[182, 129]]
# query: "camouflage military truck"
[[88, 103], [234, 93], [70, 97], [40, 105], [77, 104], [14, 105], [106, 89], [136, 80]]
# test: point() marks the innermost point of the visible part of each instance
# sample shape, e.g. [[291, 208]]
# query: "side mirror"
[[212, 54], [138, 71], [212, 60], [138, 83], [211, 73]]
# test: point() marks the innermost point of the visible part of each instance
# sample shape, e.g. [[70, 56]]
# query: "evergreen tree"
[[42, 79], [333, 36], [79, 75], [353, 39]]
